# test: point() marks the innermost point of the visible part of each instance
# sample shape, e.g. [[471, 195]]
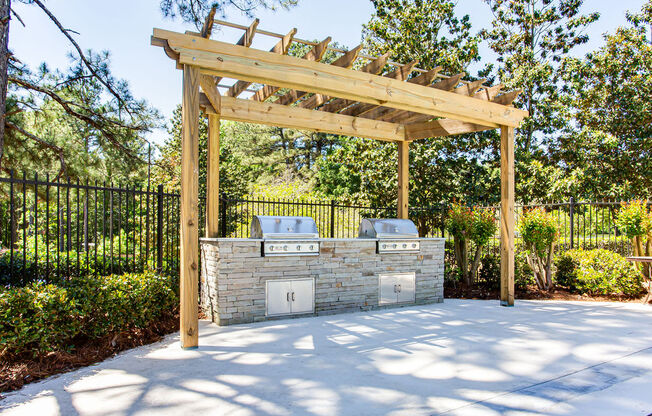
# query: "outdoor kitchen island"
[[243, 281]]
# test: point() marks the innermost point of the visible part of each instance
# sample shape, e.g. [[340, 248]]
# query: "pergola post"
[[188, 285], [403, 179], [213, 176], [507, 216]]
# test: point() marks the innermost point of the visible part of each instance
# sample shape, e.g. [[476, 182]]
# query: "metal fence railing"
[[57, 229], [52, 229]]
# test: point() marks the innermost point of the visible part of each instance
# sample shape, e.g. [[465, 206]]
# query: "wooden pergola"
[[400, 105]]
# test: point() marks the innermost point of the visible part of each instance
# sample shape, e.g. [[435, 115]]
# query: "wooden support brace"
[[189, 273], [403, 179], [213, 177], [507, 216]]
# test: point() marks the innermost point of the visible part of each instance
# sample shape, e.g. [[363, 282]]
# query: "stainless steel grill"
[[286, 236], [394, 235]]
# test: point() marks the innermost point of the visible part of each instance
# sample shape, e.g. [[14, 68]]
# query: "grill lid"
[[283, 228], [387, 228]]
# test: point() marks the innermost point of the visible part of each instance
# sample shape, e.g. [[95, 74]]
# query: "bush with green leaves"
[[470, 226], [635, 221], [40, 317], [597, 272], [539, 232]]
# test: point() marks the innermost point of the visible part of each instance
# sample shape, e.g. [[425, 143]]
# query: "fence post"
[[159, 230], [332, 218], [571, 211], [223, 215]]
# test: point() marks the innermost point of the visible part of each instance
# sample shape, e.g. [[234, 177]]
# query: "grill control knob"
[[384, 245], [414, 245], [285, 248], [311, 248], [393, 245], [404, 245], [298, 247], [271, 248]]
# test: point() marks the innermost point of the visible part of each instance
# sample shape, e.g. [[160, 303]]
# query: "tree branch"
[[81, 55], [43, 143], [67, 106]]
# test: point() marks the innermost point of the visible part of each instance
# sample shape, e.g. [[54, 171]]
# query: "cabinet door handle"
[[288, 296], [292, 296], [395, 289], [399, 288]]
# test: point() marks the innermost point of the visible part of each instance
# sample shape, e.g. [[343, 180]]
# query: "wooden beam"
[[402, 116], [507, 216], [373, 67], [469, 88], [507, 98], [207, 28], [248, 36], [314, 54], [403, 179], [223, 59], [425, 79], [488, 93], [213, 177], [209, 86], [344, 61], [281, 47], [441, 128], [189, 249], [300, 118], [400, 74]]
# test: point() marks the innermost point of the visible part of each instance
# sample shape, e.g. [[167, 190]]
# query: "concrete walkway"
[[459, 358]]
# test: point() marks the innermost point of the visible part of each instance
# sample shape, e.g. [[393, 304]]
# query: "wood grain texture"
[[271, 114], [282, 47], [507, 216], [314, 54], [189, 250], [209, 86], [403, 179], [441, 128], [222, 59], [213, 177]]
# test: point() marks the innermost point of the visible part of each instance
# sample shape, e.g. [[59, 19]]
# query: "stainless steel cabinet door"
[[303, 296], [387, 289], [406, 283], [279, 298]]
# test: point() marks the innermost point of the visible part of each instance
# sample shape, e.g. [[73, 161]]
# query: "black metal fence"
[[52, 229]]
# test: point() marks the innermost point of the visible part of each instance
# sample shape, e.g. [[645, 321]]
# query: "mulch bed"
[[16, 372], [462, 291]]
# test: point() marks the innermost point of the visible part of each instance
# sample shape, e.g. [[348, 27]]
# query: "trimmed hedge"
[[40, 318], [598, 272]]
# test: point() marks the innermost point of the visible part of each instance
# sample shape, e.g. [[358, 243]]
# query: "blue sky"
[[124, 27]]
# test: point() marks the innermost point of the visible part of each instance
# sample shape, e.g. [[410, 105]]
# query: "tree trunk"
[[549, 266], [5, 10], [475, 264]]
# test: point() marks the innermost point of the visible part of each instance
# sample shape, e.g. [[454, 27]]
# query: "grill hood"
[[283, 228], [387, 228]]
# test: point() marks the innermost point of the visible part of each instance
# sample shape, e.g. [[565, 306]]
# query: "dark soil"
[[462, 291], [18, 371]]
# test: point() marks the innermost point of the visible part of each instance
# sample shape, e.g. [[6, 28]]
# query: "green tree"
[[195, 11], [539, 231], [425, 30], [531, 37], [608, 94], [81, 122]]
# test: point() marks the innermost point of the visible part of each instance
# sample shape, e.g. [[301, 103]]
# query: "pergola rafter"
[[405, 104]]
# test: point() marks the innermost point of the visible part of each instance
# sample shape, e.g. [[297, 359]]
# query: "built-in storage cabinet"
[[396, 288], [285, 297]]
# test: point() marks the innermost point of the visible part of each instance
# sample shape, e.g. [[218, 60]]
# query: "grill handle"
[[288, 296], [293, 296]]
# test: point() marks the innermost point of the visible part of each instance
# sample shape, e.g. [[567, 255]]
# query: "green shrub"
[[597, 272], [40, 318], [539, 233]]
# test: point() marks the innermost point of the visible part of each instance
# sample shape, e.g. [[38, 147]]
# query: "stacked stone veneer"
[[346, 273]]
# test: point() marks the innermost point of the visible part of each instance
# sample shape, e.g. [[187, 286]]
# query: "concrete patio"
[[460, 357]]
